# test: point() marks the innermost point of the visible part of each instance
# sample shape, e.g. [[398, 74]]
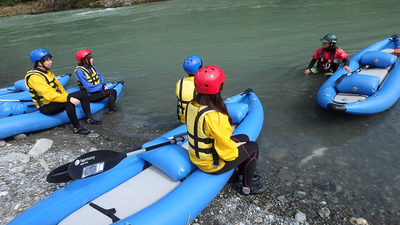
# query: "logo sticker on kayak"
[[81, 162], [92, 169]]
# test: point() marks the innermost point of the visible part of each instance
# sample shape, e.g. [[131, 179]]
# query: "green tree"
[[11, 2]]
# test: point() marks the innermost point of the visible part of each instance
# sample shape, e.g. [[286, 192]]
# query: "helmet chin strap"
[[42, 65]]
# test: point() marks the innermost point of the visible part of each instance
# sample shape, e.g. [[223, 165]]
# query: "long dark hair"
[[214, 102]]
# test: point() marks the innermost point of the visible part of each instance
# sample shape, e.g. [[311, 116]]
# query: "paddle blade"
[[95, 162], [59, 174]]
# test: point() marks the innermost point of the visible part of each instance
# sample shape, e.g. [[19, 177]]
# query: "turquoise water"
[[262, 44]]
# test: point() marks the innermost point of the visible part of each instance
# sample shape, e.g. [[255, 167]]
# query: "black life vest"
[[326, 63]]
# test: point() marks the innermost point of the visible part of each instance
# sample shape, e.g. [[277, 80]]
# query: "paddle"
[[93, 163], [15, 100], [14, 90]]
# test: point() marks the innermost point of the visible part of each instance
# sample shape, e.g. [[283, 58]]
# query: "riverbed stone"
[[41, 146], [44, 164], [17, 169], [324, 212], [15, 157], [358, 221], [20, 137], [300, 216], [93, 135]]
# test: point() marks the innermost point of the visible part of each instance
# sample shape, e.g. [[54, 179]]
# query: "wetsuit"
[[212, 148], [329, 61], [50, 96], [92, 82]]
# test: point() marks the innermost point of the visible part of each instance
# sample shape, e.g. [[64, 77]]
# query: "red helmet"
[[82, 53], [208, 80]]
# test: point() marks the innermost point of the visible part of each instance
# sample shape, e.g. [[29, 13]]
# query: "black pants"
[[57, 107], [111, 94], [246, 161]]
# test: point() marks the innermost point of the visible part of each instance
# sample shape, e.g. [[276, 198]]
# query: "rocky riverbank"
[[23, 171], [43, 6]]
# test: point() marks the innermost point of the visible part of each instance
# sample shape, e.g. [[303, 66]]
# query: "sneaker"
[[254, 189], [93, 121], [81, 130]]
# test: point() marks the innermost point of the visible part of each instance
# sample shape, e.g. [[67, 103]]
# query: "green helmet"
[[330, 38]]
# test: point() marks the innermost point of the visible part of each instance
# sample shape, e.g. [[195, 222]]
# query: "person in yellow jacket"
[[185, 90], [212, 148], [50, 96]]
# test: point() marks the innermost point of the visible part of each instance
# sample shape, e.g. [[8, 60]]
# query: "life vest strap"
[[204, 140], [327, 62], [34, 94], [92, 77]]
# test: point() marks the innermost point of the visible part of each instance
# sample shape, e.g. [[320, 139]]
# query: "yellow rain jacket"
[[212, 134], [44, 88]]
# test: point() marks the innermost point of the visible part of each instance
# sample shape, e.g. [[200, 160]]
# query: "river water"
[[262, 44]]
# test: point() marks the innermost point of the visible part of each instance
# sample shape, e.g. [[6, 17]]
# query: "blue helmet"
[[38, 54], [192, 63]]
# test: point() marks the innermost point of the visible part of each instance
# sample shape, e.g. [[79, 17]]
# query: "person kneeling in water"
[[50, 96], [329, 57], [212, 148]]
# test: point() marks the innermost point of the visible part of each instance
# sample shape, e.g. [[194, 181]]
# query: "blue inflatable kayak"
[[169, 191], [14, 92], [15, 103], [36, 121], [372, 87], [19, 86]]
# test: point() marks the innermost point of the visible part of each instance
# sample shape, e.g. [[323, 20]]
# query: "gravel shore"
[[23, 183]]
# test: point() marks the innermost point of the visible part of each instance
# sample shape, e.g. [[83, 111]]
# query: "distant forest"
[[12, 2]]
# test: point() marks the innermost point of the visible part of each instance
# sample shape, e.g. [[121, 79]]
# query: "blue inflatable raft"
[[14, 92], [36, 121], [19, 102], [171, 191], [372, 87], [19, 86]]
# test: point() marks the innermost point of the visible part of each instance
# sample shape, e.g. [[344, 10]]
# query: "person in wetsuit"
[[91, 81], [184, 89], [212, 148], [50, 96], [329, 57]]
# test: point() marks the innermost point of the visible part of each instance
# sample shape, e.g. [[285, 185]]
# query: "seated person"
[[185, 90], [50, 96], [91, 81]]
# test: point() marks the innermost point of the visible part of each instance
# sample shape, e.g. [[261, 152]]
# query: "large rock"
[[41, 146]]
